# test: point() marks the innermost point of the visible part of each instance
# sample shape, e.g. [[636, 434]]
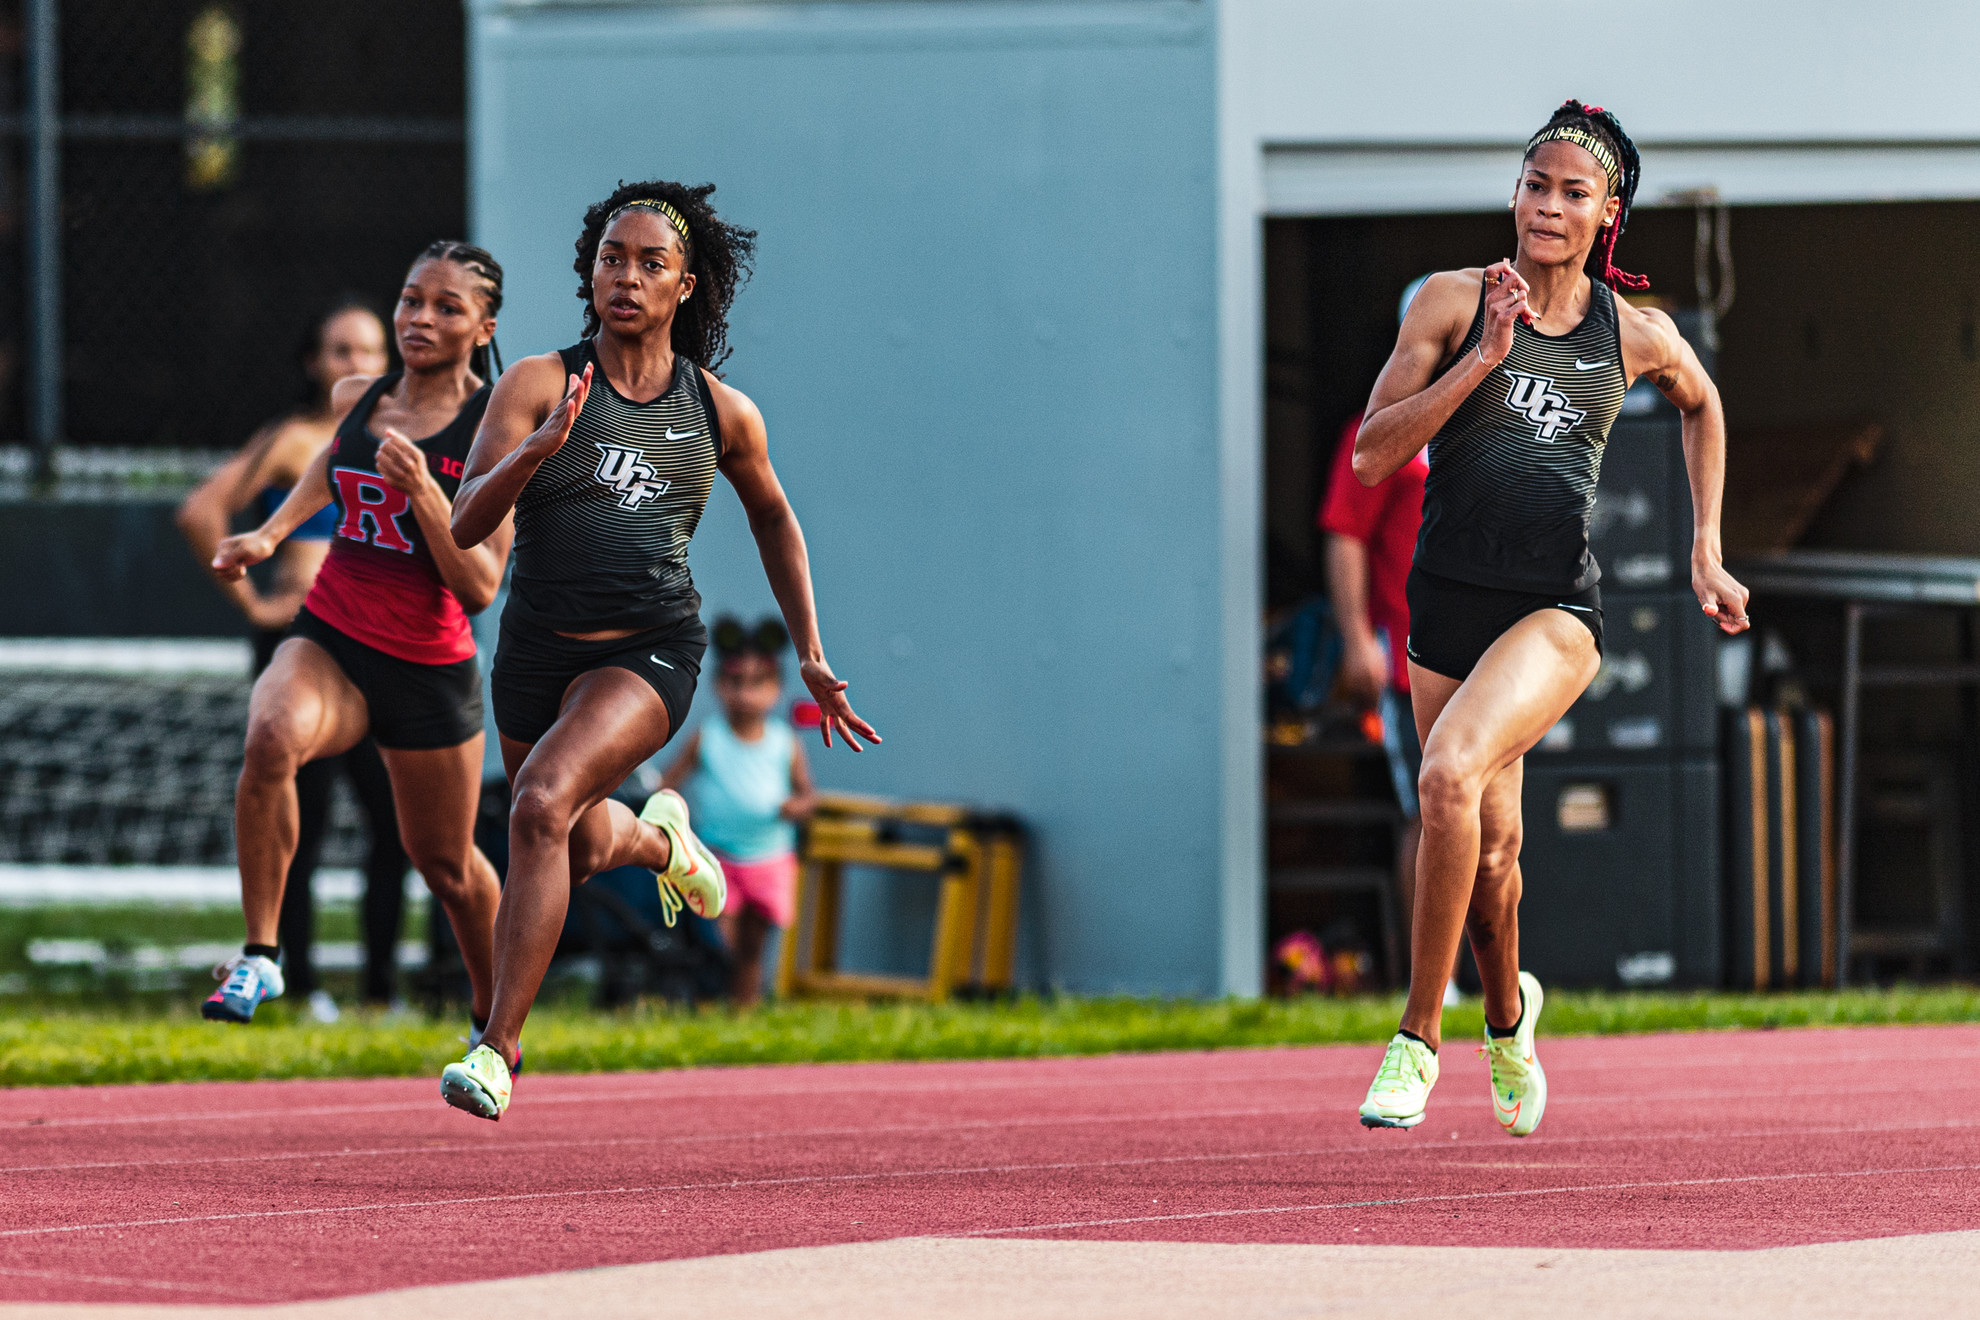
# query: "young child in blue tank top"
[[748, 784]]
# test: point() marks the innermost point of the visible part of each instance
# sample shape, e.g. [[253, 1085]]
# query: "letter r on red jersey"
[[369, 498]]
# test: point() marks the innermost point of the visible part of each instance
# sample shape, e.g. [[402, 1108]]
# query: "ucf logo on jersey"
[[1546, 407], [626, 471]]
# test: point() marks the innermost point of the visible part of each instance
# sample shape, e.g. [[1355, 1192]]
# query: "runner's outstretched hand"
[[548, 438], [833, 708], [236, 553], [1720, 595]]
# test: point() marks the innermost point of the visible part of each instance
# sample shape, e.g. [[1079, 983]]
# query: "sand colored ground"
[[979, 1278]]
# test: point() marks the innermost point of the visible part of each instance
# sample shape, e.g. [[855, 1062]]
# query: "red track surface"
[[1733, 1140]]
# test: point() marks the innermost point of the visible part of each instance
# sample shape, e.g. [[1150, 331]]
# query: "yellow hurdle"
[[979, 858]]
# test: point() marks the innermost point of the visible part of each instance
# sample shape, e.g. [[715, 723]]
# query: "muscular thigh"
[[1518, 690], [435, 793], [305, 698], [610, 723]]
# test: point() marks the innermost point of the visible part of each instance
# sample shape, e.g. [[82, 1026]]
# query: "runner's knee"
[[274, 749], [445, 873], [1447, 787], [540, 814]]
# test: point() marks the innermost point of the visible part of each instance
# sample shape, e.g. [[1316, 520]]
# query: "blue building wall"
[[983, 332]]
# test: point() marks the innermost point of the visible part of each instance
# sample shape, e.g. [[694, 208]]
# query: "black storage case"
[[1657, 691], [1620, 864]]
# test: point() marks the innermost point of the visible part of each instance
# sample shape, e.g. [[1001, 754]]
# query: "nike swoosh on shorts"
[[658, 661]]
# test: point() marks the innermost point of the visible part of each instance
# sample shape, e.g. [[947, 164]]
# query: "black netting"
[[226, 168], [213, 292], [122, 770]]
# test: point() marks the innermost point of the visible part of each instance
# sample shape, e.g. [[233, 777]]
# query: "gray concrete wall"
[[983, 331]]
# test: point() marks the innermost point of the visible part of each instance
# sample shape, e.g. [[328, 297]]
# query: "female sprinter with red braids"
[[1512, 376], [606, 452]]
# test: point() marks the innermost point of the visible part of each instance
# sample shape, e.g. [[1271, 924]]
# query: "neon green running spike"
[[1519, 1083], [693, 878], [479, 1083], [1402, 1085]]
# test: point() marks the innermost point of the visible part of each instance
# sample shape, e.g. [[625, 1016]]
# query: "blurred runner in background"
[[348, 339]]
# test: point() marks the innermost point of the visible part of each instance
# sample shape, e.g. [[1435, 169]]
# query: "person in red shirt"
[[1371, 536]]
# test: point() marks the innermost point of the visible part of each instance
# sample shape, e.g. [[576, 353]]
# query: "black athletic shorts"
[[1452, 623], [413, 706], [535, 666]]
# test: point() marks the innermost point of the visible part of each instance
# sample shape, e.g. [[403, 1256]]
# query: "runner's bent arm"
[[780, 541], [1653, 347], [1406, 408], [526, 422], [204, 514], [473, 574], [310, 493]]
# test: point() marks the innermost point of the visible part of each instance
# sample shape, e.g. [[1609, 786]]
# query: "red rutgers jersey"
[[379, 584]]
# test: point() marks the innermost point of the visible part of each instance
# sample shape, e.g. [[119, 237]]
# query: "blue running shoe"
[[249, 981]]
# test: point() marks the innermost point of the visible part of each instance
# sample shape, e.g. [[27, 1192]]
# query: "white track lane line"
[[730, 1184], [1362, 1146], [1456, 1196], [660, 1096], [486, 1148], [1560, 1101], [1360, 1052]]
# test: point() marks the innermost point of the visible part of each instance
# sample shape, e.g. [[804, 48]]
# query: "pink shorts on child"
[[768, 884]]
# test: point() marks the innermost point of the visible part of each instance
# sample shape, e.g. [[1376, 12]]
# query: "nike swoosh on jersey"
[[672, 434], [1579, 365], [658, 661]]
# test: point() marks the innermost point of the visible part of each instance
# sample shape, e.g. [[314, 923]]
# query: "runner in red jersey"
[[382, 645]]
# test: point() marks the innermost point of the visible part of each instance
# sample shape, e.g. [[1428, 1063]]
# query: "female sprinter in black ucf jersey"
[[1512, 375], [606, 452], [381, 644]]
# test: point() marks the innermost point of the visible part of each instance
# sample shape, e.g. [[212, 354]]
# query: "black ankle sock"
[[480, 1023], [268, 951], [1405, 1031], [1500, 1033]]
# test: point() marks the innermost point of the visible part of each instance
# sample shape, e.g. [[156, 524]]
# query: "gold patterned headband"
[[667, 213], [1588, 142]]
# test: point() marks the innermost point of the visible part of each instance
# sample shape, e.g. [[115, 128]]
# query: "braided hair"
[[483, 266], [719, 256], [1602, 125]]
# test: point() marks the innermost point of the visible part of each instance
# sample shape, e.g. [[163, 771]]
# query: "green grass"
[[45, 1046]]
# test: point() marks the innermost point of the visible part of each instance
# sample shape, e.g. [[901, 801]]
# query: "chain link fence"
[[226, 169]]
